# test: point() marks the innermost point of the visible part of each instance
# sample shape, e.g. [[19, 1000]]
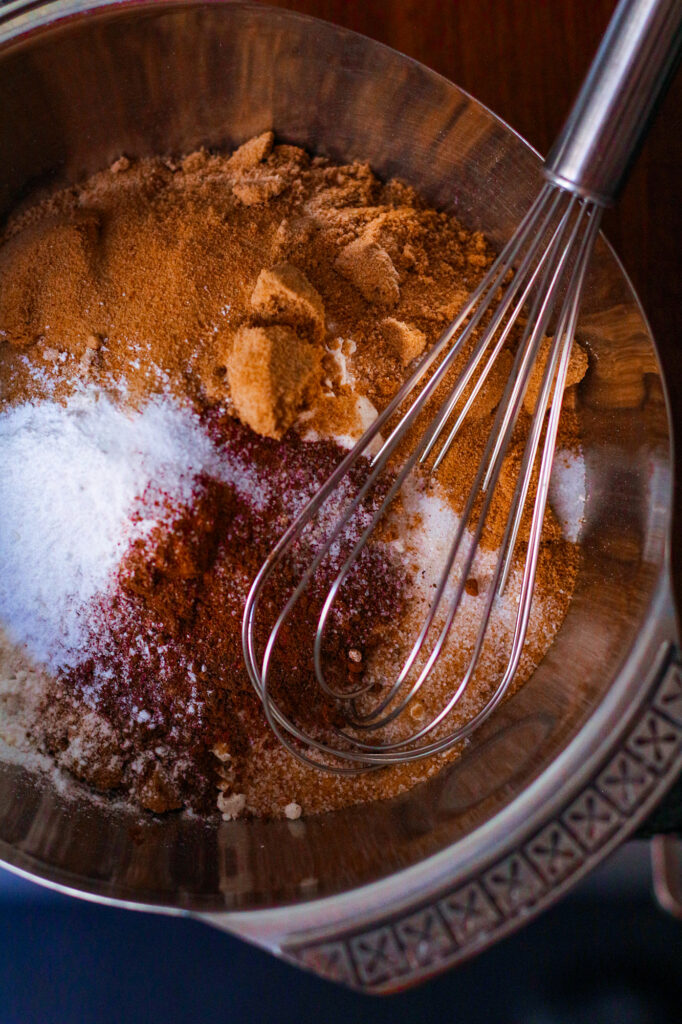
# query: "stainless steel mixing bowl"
[[381, 895]]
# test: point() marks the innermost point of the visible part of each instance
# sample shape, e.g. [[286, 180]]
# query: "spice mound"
[[187, 350], [166, 667]]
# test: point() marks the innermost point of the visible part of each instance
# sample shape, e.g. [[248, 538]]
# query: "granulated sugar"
[[567, 492], [72, 477]]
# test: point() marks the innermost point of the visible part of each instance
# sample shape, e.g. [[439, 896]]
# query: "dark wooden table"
[[525, 59]]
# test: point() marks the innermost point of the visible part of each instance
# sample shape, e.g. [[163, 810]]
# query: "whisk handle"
[[610, 116]]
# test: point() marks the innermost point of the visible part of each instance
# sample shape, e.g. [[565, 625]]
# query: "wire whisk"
[[533, 288]]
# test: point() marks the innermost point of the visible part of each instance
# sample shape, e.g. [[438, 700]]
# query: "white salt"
[[340, 349], [428, 541], [568, 492], [431, 538], [71, 478], [231, 805]]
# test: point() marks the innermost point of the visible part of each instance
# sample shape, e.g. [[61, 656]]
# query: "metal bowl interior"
[[85, 82]]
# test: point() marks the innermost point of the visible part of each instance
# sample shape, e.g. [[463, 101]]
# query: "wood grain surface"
[[525, 59]]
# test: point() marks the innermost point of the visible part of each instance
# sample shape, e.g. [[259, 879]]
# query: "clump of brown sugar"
[[370, 268], [253, 188], [407, 341], [251, 153], [271, 372], [285, 295], [258, 189]]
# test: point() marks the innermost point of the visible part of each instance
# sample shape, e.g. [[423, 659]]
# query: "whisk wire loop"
[[497, 271], [499, 268], [548, 271], [553, 383], [559, 353], [503, 432], [543, 269]]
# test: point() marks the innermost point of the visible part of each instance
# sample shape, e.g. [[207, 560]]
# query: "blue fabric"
[[606, 954]]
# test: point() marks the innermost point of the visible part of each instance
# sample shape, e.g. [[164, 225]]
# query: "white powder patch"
[[424, 546], [71, 477], [340, 349], [429, 539], [366, 413], [568, 492]]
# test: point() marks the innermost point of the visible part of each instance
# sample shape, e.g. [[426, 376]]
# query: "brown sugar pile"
[[284, 298]]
